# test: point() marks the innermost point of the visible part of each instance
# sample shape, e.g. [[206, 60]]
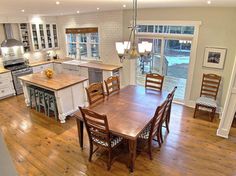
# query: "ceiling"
[[49, 7]]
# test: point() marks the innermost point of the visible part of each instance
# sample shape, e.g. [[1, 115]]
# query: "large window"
[[82, 45]]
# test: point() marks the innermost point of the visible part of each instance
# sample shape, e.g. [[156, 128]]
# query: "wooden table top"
[[129, 111], [57, 82]]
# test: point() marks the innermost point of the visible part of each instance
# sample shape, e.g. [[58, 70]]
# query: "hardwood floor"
[[41, 146]]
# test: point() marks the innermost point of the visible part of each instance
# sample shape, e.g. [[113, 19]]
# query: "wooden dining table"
[[128, 113]]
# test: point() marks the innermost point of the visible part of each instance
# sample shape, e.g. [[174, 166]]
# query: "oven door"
[[16, 81]]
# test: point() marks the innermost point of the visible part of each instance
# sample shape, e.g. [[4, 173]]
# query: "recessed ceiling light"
[[57, 3], [208, 2], [77, 11], [22, 10], [124, 6], [98, 8]]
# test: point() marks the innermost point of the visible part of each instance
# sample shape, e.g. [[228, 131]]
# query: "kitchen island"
[[69, 91]]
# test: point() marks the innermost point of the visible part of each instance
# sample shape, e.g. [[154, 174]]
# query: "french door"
[[171, 58]]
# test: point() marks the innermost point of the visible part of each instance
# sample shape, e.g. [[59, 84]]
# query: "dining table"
[[128, 113]]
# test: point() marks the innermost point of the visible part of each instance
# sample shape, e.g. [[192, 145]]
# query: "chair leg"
[[90, 152], [167, 125], [213, 114], [150, 149], [161, 136], [158, 138], [109, 159], [196, 108]]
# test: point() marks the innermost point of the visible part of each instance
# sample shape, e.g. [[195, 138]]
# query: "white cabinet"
[[6, 85], [25, 36], [41, 68], [57, 67], [44, 36], [70, 69]]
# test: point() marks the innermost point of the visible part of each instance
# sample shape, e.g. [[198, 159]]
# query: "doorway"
[[171, 58]]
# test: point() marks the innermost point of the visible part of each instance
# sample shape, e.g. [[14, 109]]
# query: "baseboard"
[[222, 133]]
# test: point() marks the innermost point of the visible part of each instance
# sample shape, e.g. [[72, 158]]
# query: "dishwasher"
[[95, 75]]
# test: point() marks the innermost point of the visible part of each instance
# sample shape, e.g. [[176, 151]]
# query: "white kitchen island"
[[69, 91]]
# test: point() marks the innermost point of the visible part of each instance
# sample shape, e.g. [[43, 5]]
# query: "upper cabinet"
[[43, 36], [25, 36]]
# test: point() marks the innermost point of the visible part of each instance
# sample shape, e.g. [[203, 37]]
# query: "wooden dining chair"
[[99, 134], [154, 128], [208, 94], [166, 116], [112, 85], [95, 93], [154, 81]]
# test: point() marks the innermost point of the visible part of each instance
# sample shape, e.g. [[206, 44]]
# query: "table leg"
[[80, 125], [132, 153]]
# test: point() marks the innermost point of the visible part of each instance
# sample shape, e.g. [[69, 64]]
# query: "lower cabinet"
[[41, 68], [6, 85]]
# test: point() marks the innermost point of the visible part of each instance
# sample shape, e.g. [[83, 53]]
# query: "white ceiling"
[[49, 7]]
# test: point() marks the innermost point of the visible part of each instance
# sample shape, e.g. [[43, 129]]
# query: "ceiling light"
[[23, 10], [57, 3], [124, 6], [77, 11], [98, 8], [209, 2]]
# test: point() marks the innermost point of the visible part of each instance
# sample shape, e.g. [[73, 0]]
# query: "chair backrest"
[[112, 84], [97, 127], [169, 100], [95, 93], [157, 119], [210, 85], [154, 81]]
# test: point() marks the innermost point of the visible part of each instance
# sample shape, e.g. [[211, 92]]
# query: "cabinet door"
[[42, 36], [57, 67], [35, 37], [55, 36], [49, 36], [25, 36]]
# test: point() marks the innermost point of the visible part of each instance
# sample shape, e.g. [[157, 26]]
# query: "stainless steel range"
[[12, 52]]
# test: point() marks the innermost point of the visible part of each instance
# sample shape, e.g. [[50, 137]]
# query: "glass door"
[[176, 60]]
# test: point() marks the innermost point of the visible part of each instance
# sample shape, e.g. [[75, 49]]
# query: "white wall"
[[110, 29], [218, 29]]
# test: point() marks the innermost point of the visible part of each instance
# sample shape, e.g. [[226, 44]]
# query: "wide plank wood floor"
[[41, 146]]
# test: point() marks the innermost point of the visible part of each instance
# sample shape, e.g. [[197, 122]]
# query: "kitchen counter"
[[57, 82], [87, 64], [3, 70], [68, 90]]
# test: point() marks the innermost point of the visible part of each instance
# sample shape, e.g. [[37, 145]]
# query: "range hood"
[[10, 41]]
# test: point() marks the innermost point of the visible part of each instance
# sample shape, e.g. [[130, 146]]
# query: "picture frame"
[[214, 57]]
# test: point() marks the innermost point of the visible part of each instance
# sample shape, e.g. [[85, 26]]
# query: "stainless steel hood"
[[10, 41]]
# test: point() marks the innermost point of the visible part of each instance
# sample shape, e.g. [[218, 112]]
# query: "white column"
[[229, 107], [133, 65]]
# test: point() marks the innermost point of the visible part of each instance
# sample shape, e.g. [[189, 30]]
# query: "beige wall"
[[218, 29]]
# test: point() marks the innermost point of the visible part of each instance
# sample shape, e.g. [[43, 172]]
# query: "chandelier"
[[131, 49]]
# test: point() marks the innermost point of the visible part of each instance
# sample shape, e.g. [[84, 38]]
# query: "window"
[[82, 43], [166, 29]]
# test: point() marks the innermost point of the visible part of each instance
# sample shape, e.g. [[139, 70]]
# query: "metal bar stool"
[[51, 104], [33, 96]]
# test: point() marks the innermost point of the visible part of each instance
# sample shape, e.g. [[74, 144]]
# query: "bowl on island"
[[49, 73]]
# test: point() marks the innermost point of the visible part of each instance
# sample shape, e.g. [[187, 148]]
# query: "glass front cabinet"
[[44, 36]]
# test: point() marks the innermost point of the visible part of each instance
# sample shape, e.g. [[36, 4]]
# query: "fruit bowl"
[[49, 73]]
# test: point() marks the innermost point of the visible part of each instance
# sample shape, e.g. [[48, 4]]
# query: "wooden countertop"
[[57, 82], [100, 66], [3, 70], [89, 64]]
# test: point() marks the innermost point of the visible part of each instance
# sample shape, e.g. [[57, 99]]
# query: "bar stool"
[[51, 104], [33, 96], [41, 100]]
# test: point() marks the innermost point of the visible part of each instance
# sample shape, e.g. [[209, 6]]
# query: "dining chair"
[[112, 85], [208, 94], [99, 134], [154, 128], [167, 113], [154, 81], [95, 93]]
